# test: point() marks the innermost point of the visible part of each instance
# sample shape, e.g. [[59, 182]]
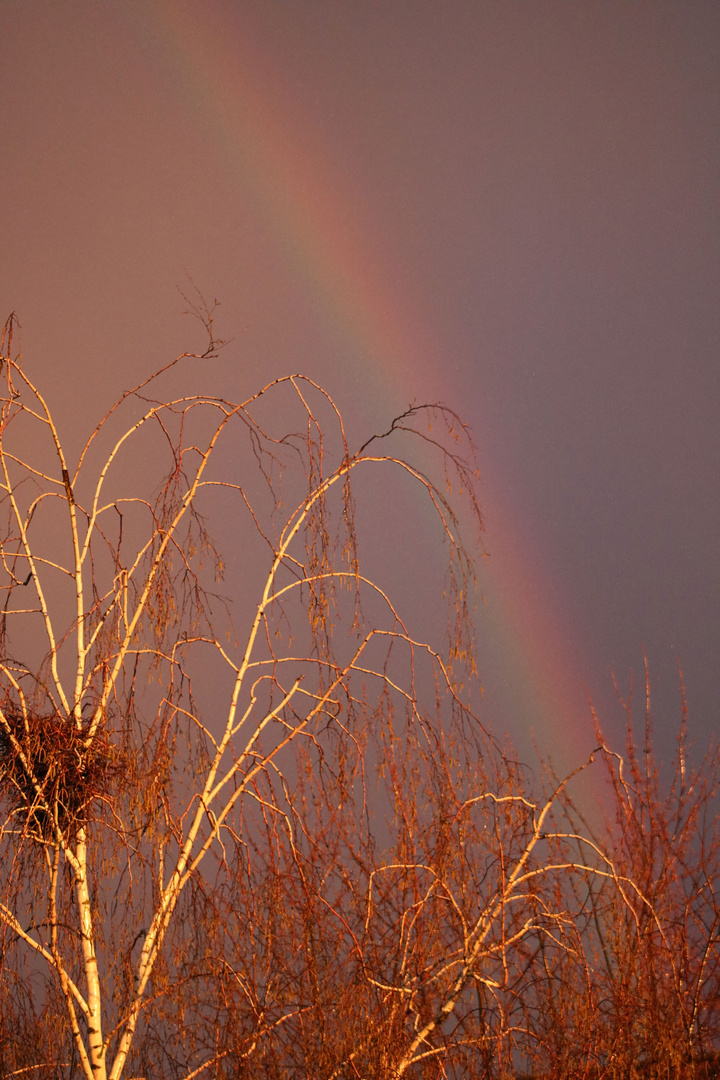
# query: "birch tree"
[[130, 799], [251, 825]]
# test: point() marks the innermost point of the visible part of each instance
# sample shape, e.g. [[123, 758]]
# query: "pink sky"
[[507, 206]]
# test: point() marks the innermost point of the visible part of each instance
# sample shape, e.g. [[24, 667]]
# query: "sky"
[[509, 207]]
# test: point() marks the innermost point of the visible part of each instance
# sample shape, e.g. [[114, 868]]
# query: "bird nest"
[[50, 776]]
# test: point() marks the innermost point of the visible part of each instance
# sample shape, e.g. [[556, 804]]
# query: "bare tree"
[[638, 995], [134, 808], [265, 835]]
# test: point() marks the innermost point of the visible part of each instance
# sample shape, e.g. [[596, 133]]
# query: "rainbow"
[[260, 142]]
